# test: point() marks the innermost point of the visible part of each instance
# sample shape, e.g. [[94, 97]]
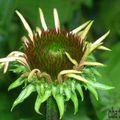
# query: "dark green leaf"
[[23, 95]]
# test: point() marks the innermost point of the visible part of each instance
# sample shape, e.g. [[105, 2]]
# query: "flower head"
[[55, 62]]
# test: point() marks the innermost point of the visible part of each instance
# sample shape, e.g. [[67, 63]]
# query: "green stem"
[[52, 110]]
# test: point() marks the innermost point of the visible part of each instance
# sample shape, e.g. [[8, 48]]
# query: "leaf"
[[95, 71], [93, 91], [67, 92], [60, 103], [100, 86], [54, 90], [88, 74], [79, 89], [40, 99], [17, 68], [17, 83], [23, 95], [75, 102], [111, 76], [42, 89]]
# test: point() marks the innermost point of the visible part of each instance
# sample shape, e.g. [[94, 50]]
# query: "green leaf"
[[61, 88], [79, 89], [67, 92], [60, 103], [40, 99], [23, 95], [72, 85], [100, 86], [42, 89], [93, 91], [75, 102], [54, 90], [111, 76], [89, 74], [95, 71], [18, 68], [16, 83]]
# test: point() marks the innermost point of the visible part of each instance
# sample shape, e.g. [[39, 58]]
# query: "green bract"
[[55, 63]]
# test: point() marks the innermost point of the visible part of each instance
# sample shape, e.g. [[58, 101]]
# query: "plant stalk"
[[52, 112]]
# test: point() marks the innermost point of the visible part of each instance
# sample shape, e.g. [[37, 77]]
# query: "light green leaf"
[[79, 89], [73, 85], [95, 71], [67, 92], [100, 86], [23, 95], [75, 102], [17, 83], [54, 90], [61, 89], [40, 99], [42, 89], [60, 102], [93, 91], [18, 68]]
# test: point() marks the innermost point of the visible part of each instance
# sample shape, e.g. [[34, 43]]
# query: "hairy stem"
[[52, 110]]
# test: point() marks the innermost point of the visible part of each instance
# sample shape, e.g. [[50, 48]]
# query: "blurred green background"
[[72, 13]]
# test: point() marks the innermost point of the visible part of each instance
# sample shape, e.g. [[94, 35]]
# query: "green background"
[[72, 13]]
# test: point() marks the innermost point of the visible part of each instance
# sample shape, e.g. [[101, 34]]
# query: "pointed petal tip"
[[104, 48], [54, 9], [44, 25], [56, 19], [17, 12], [86, 30]]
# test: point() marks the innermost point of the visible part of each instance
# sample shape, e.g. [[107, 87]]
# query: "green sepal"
[[88, 74], [16, 83], [79, 89], [18, 68], [54, 90], [73, 85], [75, 102], [61, 89], [40, 99], [67, 93], [23, 95], [96, 72], [42, 89], [38, 88], [93, 91], [100, 86], [60, 103]]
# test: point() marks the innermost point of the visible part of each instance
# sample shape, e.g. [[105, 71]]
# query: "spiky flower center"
[[48, 51]]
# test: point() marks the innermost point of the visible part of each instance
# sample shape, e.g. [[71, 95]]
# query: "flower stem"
[[52, 110]]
